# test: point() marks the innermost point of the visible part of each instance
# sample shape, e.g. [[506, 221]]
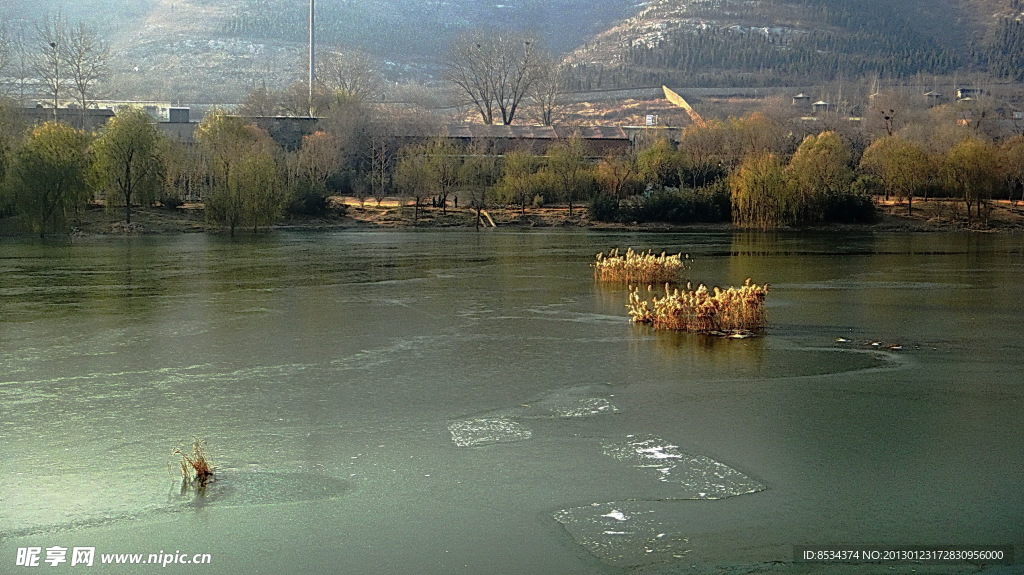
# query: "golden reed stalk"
[[638, 267], [732, 310]]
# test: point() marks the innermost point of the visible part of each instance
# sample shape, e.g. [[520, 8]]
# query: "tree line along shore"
[[751, 172]]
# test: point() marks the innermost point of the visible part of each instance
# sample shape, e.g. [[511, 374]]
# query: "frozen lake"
[[449, 402]]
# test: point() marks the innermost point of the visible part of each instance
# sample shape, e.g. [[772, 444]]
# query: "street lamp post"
[[56, 77]]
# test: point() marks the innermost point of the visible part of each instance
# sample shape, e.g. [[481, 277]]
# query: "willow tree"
[[431, 168], [567, 165], [128, 160], [702, 153], [412, 175], [519, 178], [49, 176], [12, 128], [658, 163], [904, 168], [820, 168], [246, 182], [319, 158], [761, 197], [186, 173], [971, 170], [752, 134], [618, 176], [1011, 161], [478, 175]]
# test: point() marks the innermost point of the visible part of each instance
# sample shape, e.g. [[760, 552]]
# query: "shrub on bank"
[[684, 206], [849, 208], [307, 200]]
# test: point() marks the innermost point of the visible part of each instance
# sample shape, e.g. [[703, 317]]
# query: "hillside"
[[793, 42], [217, 50]]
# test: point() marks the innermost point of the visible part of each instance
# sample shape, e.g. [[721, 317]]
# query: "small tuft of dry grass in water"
[[717, 311], [195, 467], [639, 267]]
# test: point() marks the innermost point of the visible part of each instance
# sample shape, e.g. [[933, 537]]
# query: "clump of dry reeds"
[[639, 267], [700, 310], [195, 467]]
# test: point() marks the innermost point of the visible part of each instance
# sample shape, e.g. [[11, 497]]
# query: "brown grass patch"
[[195, 467]]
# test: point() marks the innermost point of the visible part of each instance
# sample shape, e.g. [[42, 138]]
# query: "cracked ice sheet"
[[624, 533], [701, 477], [487, 430], [582, 407], [571, 402]]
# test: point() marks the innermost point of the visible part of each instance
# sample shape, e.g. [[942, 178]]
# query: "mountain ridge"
[[215, 51], [778, 42]]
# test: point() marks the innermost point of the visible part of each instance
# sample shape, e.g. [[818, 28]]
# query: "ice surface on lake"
[[486, 430], [504, 425], [567, 402], [239, 489], [624, 533], [700, 477], [54, 503], [585, 407]]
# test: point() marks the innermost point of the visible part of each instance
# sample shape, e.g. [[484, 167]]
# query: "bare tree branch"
[[6, 47], [86, 58], [468, 67], [350, 75], [52, 40], [547, 92], [22, 65], [495, 71]]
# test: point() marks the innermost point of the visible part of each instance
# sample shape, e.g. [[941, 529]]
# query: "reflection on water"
[[243, 489]]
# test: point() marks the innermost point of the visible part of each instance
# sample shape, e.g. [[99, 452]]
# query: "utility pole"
[[312, 60]]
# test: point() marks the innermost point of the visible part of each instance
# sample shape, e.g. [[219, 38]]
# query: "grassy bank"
[[933, 215]]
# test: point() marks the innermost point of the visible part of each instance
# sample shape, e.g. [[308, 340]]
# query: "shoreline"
[[929, 216]]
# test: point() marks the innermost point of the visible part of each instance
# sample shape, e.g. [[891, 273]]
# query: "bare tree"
[[260, 102], [22, 65], [383, 142], [547, 92], [52, 37], [294, 100], [468, 67], [518, 68], [319, 158], [6, 48], [495, 71], [86, 59], [351, 75]]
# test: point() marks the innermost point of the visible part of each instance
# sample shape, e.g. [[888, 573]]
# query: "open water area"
[[454, 402]]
